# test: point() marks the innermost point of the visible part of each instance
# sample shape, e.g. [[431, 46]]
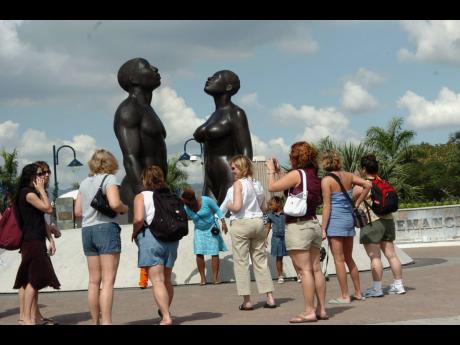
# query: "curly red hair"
[[303, 155]]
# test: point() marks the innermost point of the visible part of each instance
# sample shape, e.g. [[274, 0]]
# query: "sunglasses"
[[43, 173]]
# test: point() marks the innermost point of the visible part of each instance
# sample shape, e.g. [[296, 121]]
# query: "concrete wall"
[[428, 224], [70, 263]]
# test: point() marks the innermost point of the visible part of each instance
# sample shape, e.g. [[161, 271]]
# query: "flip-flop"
[[325, 317], [301, 319], [353, 298], [203, 283], [48, 321], [337, 301], [270, 306], [242, 307]]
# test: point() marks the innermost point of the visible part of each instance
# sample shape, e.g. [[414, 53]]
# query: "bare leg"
[[201, 265], [395, 265], [94, 284], [160, 292], [302, 260], [373, 251], [29, 297], [21, 294], [279, 265], [320, 283], [109, 267], [215, 268], [352, 268], [336, 245]]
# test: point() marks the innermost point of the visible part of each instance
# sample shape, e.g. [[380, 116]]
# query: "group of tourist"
[[299, 237]]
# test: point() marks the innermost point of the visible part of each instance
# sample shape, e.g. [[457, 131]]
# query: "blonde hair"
[[244, 164], [152, 177], [102, 162], [331, 161]]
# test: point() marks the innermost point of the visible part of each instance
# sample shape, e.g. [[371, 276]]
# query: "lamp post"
[[185, 158], [74, 163]]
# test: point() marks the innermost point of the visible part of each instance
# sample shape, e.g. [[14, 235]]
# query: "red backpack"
[[384, 197], [10, 232]]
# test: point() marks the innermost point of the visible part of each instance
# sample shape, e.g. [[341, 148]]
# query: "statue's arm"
[[127, 128], [242, 135]]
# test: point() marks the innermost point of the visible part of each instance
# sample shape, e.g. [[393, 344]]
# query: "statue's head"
[[221, 82], [138, 72]]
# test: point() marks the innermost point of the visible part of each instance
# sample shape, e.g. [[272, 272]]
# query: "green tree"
[[391, 145], [177, 178], [393, 149], [8, 177], [351, 153]]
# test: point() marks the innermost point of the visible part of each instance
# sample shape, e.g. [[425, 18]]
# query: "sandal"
[[48, 321], [302, 319], [242, 307], [325, 317], [270, 306]]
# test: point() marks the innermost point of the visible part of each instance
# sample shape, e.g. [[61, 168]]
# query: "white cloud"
[[179, 120], [274, 148], [356, 99], [319, 123], [250, 100], [8, 131], [435, 41], [300, 43], [442, 112], [367, 78]]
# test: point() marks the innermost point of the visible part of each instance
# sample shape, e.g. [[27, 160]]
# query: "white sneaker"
[[371, 292], [280, 280], [396, 289]]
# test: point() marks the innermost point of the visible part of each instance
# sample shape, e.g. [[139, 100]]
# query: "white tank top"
[[250, 208], [149, 208]]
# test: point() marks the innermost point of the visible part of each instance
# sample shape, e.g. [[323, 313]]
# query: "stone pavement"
[[432, 298]]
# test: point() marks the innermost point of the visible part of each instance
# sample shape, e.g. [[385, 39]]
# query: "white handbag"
[[296, 205]]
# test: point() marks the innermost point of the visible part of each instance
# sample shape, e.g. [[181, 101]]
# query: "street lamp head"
[[184, 159], [75, 163]]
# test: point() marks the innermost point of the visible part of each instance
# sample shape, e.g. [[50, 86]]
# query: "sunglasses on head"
[[43, 173]]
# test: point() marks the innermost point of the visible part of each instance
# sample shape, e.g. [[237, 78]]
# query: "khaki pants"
[[248, 239]]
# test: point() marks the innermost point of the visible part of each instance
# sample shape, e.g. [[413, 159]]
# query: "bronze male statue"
[[139, 130], [224, 135]]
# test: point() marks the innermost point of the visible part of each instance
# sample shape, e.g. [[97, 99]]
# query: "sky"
[[300, 80]]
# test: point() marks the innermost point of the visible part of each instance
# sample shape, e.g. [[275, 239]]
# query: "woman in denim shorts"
[[156, 256], [100, 234]]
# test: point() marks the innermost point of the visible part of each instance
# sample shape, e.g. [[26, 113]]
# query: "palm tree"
[[393, 150], [351, 153], [392, 145], [8, 177], [176, 178]]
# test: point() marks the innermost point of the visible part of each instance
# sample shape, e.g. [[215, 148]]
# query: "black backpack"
[[170, 221]]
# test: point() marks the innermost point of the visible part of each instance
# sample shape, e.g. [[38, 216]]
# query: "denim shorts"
[[154, 252], [101, 239]]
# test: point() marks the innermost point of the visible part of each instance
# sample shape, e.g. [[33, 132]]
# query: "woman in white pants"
[[247, 233]]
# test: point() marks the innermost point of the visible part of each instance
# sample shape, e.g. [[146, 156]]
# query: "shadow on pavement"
[[72, 319], [178, 320], [13, 311], [421, 262], [279, 302]]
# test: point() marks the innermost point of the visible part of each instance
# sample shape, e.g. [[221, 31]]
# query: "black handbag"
[[101, 204], [215, 230], [359, 216]]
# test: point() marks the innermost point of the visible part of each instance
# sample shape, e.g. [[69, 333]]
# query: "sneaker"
[[280, 280], [371, 292], [396, 290]]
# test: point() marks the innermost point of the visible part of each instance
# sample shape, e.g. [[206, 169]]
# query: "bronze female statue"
[[224, 135]]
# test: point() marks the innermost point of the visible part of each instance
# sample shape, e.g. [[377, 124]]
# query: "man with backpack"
[[380, 233]]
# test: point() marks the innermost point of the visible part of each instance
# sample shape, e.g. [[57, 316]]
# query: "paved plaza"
[[431, 283]]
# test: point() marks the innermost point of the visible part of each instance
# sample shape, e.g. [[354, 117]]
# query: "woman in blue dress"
[[338, 224], [203, 214]]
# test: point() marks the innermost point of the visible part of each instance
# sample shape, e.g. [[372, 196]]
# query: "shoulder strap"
[[100, 186], [255, 194], [336, 178], [304, 183]]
